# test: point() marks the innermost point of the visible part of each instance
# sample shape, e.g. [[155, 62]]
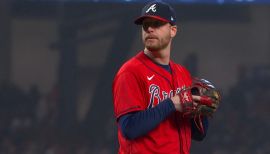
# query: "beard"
[[153, 43]]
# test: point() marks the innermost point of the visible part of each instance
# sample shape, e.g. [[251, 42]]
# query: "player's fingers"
[[196, 98]]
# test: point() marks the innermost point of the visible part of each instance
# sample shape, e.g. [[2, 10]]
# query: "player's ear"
[[173, 30]]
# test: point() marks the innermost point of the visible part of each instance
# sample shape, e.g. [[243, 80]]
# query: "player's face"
[[157, 34]]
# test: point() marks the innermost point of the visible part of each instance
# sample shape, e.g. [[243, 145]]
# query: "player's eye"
[[153, 24]]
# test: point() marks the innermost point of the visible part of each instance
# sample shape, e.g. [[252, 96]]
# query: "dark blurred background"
[[58, 59]]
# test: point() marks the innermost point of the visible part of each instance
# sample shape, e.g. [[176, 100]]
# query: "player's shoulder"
[[179, 66], [132, 65], [129, 70]]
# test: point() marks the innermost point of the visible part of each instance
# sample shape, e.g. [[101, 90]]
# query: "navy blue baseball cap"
[[158, 10]]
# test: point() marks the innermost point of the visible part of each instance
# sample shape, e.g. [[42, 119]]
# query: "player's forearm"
[[140, 123]]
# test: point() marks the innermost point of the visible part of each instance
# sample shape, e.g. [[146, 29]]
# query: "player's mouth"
[[151, 37]]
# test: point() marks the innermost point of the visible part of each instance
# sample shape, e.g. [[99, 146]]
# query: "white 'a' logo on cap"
[[152, 8]]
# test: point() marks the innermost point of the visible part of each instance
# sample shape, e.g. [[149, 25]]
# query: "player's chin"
[[152, 46]]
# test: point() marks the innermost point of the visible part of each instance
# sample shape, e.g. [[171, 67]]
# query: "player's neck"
[[160, 57]]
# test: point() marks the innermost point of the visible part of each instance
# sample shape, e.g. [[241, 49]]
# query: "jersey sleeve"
[[127, 94]]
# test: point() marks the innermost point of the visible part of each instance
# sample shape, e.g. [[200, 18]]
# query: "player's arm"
[[196, 134], [134, 125]]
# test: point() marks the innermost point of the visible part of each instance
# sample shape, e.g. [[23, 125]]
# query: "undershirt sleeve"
[[195, 133], [134, 125]]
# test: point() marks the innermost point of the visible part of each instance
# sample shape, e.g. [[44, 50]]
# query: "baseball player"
[[149, 109]]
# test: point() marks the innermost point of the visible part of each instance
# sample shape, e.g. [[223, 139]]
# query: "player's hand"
[[176, 102], [196, 98], [193, 107], [181, 106]]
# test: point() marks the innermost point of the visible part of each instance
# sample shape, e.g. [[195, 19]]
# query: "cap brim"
[[139, 20]]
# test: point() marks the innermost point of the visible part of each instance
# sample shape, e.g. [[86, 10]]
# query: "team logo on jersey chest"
[[156, 95]]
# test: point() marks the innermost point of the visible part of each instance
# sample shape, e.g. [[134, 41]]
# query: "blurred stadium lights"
[[170, 1]]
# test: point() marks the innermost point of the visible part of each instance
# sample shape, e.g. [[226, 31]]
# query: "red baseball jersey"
[[141, 84]]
